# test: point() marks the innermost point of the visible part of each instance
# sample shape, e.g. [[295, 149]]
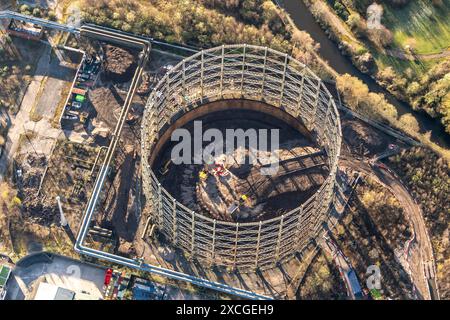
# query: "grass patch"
[[418, 67], [421, 25]]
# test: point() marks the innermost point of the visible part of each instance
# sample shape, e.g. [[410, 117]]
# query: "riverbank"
[[431, 132]]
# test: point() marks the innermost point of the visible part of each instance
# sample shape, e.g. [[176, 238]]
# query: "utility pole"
[[62, 218]]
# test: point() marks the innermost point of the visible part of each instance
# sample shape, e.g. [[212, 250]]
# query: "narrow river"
[[342, 64]]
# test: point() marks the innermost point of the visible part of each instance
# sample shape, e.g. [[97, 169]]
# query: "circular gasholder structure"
[[243, 72]]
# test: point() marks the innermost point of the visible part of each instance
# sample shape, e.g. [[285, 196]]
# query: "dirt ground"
[[121, 196], [361, 139], [119, 63], [68, 173], [20, 57], [71, 174], [107, 104], [297, 177], [371, 234]]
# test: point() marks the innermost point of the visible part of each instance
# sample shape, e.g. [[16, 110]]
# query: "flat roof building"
[[47, 291]]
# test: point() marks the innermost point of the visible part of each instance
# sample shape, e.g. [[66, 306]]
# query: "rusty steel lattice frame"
[[243, 72]]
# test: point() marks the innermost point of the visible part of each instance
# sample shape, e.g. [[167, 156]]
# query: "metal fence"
[[253, 73]]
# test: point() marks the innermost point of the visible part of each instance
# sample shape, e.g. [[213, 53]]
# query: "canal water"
[[329, 51]]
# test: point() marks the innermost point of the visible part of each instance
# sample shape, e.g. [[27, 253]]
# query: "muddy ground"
[[121, 197], [363, 140], [267, 195]]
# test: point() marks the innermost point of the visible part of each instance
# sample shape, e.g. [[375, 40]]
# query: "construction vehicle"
[[80, 98], [242, 199], [70, 116], [83, 117], [203, 175], [76, 105]]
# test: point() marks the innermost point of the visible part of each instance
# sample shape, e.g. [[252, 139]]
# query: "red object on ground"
[[382, 166], [392, 146], [108, 276], [79, 91], [220, 170]]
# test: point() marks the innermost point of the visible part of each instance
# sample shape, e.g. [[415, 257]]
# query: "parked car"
[[108, 276], [76, 105], [70, 116]]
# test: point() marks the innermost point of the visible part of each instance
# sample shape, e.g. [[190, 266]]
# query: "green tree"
[[409, 122], [354, 91]]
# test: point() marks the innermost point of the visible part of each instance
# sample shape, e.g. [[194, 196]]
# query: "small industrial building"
[[147, 290], [47, 291]]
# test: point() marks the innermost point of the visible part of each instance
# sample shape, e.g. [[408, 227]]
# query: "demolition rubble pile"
[[362, 139], [36, 208], [231, 192], [119, 63]]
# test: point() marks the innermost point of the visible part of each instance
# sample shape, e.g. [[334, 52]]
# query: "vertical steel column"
[[299, 224], [258, 242], [264, 73], [300, 94], [280, 230], [222, 70], [283, 80], [174, 221], [193, 233], [183, 85], [325, 120], [235, 243], [166, 97], [316, 205], [316, 103], [201, 77], [243, 69], [159, 210], [213, 247]]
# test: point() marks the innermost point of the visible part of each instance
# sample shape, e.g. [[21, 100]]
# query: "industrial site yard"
[[88, 170]]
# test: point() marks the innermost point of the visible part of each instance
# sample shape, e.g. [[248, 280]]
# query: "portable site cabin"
[[79, 94], [79, 91]]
